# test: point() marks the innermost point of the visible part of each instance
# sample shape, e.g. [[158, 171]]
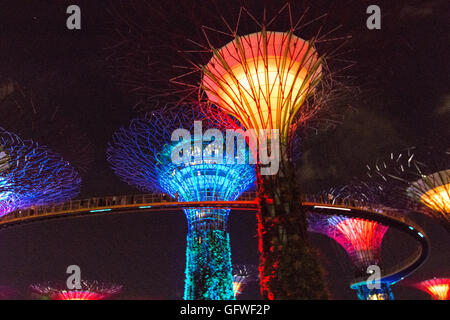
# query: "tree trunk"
[[289, 268]]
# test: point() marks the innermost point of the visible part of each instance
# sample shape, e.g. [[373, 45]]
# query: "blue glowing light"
[[142, 156], [381, 291], [32, 175]]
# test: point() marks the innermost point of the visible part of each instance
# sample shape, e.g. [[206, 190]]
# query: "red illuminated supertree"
[[437, 288], [90, 290]]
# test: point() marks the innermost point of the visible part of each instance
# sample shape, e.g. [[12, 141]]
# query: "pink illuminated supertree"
[[90, 290], [437, 288], [359, 237]]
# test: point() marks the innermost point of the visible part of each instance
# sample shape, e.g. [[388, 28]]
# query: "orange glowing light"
[[237, 288], [262, 79], [439, 289], [438, 198], [434, 191]]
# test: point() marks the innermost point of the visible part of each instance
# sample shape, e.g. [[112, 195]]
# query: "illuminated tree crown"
[[32, 175], [90, 290], [263, 78], [438, 288]]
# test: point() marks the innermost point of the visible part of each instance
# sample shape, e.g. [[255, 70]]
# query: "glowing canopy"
[[90, 290], [359, 237], [262, 79], [438, 288], [433, 191], [32, 175]]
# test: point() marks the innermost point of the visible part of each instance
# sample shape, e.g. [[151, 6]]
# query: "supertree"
[[242, 274], [254, 68], [417, 179], [361, 239], [32, 175], [437, 288], [272, 82], [90, 290], [142, 156]]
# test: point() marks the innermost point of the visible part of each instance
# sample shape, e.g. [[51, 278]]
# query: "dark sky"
[[402, 79]]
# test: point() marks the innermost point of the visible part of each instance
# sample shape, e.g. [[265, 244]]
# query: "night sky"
[[401, 75]]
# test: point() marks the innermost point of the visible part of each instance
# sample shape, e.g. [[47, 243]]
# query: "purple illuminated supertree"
[[90, 290], [143, 156], [415, 180], [32, 175]]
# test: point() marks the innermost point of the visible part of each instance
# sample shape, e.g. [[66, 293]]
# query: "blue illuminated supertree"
[[32, 175], [142, 156]]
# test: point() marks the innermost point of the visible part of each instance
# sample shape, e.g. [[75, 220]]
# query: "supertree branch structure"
[[32, 175], [90, 290], [417, 180], [272, 80], [142, 156], [243, 274], [437, 288], [359, 237]]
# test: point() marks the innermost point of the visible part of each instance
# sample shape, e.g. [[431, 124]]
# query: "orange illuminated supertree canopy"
[[417, 180], [437, 288], [263, 79], [90, 290]]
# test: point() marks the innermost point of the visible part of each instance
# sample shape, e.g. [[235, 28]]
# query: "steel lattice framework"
[[141, 156], [32, 175], [90, 290], [361, 238], [438, 288], [416, 180]]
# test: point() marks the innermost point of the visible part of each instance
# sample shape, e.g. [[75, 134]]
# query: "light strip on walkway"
[[333, 208], [100, 210]]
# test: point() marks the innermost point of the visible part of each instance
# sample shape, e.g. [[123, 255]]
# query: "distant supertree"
[[361, 239], [32, 175], [417, 180], [242, 274], [438, 288], [90, 290], [142, 156]]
